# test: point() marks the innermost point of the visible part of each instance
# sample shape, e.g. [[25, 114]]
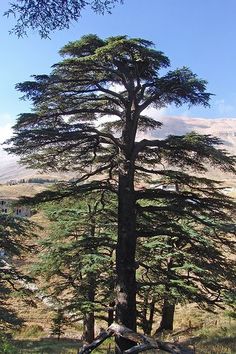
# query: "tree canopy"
[[50, 15], [88, 115]]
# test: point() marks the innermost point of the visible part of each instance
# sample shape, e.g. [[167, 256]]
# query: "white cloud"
[[6, 122], [5, 132], [155, 113], [224, 108]]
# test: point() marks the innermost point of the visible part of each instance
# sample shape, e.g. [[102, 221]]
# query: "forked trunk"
[[148, 312]]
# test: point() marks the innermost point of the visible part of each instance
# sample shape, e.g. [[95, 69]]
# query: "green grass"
[[208, 340], [208, 333], [47, 346], [63, 346], [218, 340]]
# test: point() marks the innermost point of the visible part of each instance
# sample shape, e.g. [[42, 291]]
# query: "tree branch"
[[147, 342]]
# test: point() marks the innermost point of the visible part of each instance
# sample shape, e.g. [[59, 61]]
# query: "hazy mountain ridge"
[[224, 128]]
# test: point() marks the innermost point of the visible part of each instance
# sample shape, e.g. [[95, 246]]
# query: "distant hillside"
[[11, 170], [224, 128], [16, 191]]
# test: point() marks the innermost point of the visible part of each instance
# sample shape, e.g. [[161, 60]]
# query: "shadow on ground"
[[47, 345]]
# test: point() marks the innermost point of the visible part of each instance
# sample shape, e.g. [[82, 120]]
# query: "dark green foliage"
[[6, 347], [58, 323], [12, 233], [40, 180], [77, 256], [70, 129], [186, 249], [47, 16]]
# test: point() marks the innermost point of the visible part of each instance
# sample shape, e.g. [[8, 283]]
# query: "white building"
[[9, 205]]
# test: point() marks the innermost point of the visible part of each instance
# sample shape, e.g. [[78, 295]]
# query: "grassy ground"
[[219, 338], [207, 333], [46, 346], [18, 190]]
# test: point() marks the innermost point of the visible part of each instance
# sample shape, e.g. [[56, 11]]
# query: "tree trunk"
[[125, 257], [89, 320], [88, 327], [111, 313], [144, 320], [167, 319], [148, 314], [168, 308], [151, 317]]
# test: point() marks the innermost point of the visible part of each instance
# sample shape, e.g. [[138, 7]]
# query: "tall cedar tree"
[[51, 15], [77, 259], [13, 232], [114, 80]]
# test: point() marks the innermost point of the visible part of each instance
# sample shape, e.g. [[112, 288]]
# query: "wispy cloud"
[[224, 108], [157, 114], [5, 132], [6, 122]]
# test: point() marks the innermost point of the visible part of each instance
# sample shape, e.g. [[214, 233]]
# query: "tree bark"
[[125, 257], [168, 308], [151, 317], [111, 313], [89, 320], [88, 327], [148, 312], [167, 319]]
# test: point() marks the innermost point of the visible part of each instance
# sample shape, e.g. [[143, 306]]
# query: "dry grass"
[[22, 189], [207, 333]]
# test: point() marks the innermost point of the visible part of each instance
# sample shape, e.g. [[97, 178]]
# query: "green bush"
[[6, 347]]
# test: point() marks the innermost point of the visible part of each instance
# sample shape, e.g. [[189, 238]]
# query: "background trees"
[[77, 260], [116, 80], [192, 261], [13, 232]]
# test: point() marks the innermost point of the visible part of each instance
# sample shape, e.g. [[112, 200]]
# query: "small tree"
[[76, 259], [119, 78], [58, 323]]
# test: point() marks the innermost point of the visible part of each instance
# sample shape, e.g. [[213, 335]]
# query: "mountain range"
[[224, 128]]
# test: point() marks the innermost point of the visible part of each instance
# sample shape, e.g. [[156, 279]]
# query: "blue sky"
[[199, 34]]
